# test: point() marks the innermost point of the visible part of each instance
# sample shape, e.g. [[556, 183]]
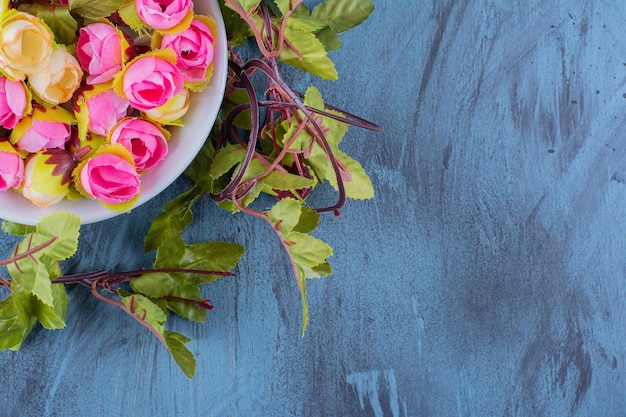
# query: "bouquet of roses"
[[87, 93]]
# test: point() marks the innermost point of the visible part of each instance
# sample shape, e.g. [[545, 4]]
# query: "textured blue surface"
[[487, 277]]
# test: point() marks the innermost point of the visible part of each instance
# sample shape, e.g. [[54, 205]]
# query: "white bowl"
[[184, 145]]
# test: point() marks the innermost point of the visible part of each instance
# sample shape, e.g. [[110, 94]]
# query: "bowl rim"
[[15, 208]]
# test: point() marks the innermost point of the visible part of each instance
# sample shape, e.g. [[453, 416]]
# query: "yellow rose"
[[25, 45], [172, 111], [57, 82]]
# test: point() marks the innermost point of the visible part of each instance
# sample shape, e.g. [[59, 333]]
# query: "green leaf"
[[184, 309], [285, 215], [248, 6], [146, 310], [237, 29], [52, 317], [210, 256], [17, 229], [175, 343], [34, 278], [95, 9], [322, 270], [15, 324], [287, 181], [305, 23], [314, 56], [358, 186], [154, 284], [197, 170], [64, 228], [225, 159], [308, 220], [164, 234], [329, 39], [57, 17], [343, 14], [308, 250]]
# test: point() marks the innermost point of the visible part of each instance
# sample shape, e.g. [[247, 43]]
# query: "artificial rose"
[[194, 50], [109, 176], [44, 128], [172, 111], [98, 108], [11, 167], [25, 45], [102, 50], [57, 82], [42, 185], [165, 14], [146, 141], [151, 80], [14, 102]]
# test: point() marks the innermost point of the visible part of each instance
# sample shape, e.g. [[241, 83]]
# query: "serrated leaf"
[[197, 170], [358, 186], [15, 324], [285, 215], [164, 234], [329, 39], [287, 181], [308, 250], [175, 343], [314, 57], [154, 285], [52, 317], [305, 23], [146, 310], [16, 228], [225, 159], [210, 256], [321, 270], [238, 30], [64, 228], [343, 14], [308, 220], [95, 9], [184, 309]]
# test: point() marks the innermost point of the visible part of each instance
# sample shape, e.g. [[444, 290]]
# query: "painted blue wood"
[[485, 279]]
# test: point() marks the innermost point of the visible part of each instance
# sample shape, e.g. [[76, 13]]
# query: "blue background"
[[485, 279]]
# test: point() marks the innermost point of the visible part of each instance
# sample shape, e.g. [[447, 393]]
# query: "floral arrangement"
[[86, 96], [268, 140]]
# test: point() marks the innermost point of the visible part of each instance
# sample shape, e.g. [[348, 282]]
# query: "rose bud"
[[57, 82], [25, 45], [110, 177], [42, 129], [150, 80], [102, 50], [171, 112], [44, 183], [146, 141], [194, 49], [98, 108], [14, 102], [165, 15], [11, 167]]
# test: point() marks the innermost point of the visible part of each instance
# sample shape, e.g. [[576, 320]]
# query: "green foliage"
[[32, 267], [95, 9]]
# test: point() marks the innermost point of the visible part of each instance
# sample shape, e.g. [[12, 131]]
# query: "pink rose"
[[146, 141], [149, 82], [44, 128], [194, 50], [101, 51], [109, 178], [102, 109], [163, 14], [14, 102], [11, 167]]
